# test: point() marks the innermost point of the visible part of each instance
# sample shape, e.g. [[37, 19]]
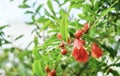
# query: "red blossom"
[[78, 34], [96, 51], [47, 69], [52, 73], [85, 28], [83, 41], [62, 44], [59, 36], [64, 51], [78, 43], [110, 69], [69, 41], [80, 54]]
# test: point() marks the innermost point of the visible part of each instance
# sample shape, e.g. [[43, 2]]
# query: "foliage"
[[13, 60], [103, 19], [56, 16]]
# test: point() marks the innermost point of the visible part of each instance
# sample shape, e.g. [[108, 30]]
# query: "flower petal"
[[80, 54], [96, 51]]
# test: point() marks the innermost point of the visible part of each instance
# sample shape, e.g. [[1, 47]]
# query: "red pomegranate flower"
[[59, 36], [78, 34], [69, 41], [64, 51], [80, 54], [52, 73], [83, 41], [47, 69], [85, 28], [62, 44], [78, 43], [96, 51]]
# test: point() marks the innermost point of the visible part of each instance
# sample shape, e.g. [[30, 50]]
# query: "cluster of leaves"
[[103, 18]]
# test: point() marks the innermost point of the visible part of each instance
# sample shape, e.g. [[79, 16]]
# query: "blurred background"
[[13, 16]]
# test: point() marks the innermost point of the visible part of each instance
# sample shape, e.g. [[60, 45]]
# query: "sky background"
[[12, 15], [10, 12]]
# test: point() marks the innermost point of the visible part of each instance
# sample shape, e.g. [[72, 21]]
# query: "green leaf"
[[87, 8], [24, 53], [30, 23], [93, 32], [48, 24], [95, 64], [33, 17], [64, 27], [4, 26], [29, 12], [117, 45], [47, 13], [110, 50], [6, 42], [77, 25], [45, 25], [36, 53], [24, 6], [118, 26], [117, 64], [38, 68], [19, 37], [38, 8], [42, 19], [96, 5], [86, 17], [53, 30], [11, 0], [61, 12], [115, 73], [24, 1], [75, 5], [72, 31], [2, 33], [81, 16], [106, 11], [35, 41], [49, 3], [49, 41]]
